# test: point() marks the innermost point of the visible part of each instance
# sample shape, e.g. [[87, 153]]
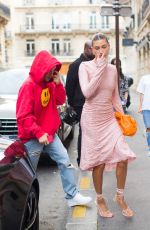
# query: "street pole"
[[116, 7], [116, 10]]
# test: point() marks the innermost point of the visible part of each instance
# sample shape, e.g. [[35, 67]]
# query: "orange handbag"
[[127, 123]]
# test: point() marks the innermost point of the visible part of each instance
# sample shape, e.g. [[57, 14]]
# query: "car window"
[[11, 80]]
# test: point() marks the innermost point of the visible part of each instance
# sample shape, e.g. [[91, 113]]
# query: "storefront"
[[64, 68]]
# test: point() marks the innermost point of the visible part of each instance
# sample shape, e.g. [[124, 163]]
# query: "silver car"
[[10, 82]]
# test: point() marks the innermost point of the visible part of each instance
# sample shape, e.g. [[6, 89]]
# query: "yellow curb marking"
[[85, 183], [79, 212]]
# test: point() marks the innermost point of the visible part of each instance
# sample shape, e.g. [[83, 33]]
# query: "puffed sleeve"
[[89, 87], [115, 96]]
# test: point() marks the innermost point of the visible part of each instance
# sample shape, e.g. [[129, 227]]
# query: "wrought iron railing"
[[4, 10]]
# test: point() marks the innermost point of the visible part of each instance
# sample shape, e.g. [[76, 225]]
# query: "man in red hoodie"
[[38, 120]]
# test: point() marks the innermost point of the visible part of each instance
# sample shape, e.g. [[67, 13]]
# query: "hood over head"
[[42, 64]]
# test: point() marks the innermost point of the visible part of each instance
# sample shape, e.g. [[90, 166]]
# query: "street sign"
[[128, 42], [106, 11], [124, 11]]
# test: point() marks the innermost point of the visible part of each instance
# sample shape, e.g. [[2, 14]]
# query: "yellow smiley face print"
[[45, 97]]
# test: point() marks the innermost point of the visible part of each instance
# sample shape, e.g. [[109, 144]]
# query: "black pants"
[[78, 110], [128, 101]]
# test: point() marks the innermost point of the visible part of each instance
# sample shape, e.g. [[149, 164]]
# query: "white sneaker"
[[79, 199]]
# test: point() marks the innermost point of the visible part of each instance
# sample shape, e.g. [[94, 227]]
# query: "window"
[[55, 47], [55, 22], [92, 23], [67, 47], [29, 22], [105, 22], [28, 2], [30, 47], [66, 22]]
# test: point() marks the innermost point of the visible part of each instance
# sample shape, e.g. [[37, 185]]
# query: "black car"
[[19, 188], [10, 82]]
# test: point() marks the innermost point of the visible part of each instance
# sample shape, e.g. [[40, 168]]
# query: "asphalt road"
[[137, 191], [53, 207]]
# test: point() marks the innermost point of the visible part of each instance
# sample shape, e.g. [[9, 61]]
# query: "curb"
[[83, 217]]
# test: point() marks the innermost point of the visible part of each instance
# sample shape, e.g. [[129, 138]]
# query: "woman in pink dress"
[[103, 144]]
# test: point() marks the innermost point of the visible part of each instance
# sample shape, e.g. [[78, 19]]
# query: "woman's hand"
[[99, 55], [140, 109]]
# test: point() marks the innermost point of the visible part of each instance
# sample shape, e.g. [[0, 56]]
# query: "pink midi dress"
[[102, 139]]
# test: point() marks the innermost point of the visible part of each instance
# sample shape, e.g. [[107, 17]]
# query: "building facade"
[[59, 26], [138, 57], [4, 18]]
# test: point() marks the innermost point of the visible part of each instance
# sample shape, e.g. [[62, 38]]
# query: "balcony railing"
[[60, 29], [28, 2], [30, 53], [62, 52], [41, 28]]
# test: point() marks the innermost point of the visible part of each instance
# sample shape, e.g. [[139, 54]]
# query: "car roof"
[[11, 80]]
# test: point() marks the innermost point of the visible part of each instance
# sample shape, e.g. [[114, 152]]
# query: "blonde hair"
[[99, 36]]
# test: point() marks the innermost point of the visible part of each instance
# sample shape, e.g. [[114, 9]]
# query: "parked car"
[[19, 188], [10, 82]]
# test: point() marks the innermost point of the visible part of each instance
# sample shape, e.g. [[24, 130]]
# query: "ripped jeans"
[[58, 153]]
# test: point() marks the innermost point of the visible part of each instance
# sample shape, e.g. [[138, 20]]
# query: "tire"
[[31, 215], [71, 134], [60, 132]]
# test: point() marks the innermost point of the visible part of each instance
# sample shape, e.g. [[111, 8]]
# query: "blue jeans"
[[146, 119], [58, 153]]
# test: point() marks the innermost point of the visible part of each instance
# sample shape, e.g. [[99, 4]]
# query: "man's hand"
[[44, 139], [56, 77]]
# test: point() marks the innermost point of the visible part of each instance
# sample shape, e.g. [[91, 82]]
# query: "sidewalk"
[[82, 217], [137, 189]]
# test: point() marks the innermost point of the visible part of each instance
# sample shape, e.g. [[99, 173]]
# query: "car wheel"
[[31, 215], [60, 132], [71, 134]]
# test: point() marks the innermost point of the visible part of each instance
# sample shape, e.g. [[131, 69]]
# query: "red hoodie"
[[36, 108]]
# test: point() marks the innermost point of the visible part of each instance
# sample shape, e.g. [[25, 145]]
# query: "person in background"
[[144, 105], [124, 87], [73, 90], [38, 120], [130, 83], [103, 143]]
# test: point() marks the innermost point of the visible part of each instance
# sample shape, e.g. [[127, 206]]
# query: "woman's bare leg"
[[98, 184], [98, 178], [121, 173]]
